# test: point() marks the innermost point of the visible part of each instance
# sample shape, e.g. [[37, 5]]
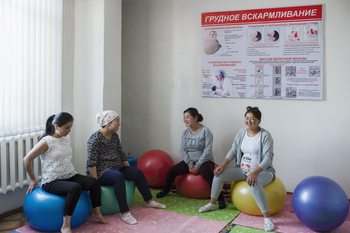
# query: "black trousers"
[[72, 188]]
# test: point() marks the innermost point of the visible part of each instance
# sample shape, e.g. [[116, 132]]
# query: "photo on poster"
[[291, 71], [292, 34], [259, 91], [254, 35], [223, 84], [271, 34], [259, 80], [310, 33], [276, 92], [276, 70], [211, 45], [276, 81], [291, 92], [314, 71], [259, 70]]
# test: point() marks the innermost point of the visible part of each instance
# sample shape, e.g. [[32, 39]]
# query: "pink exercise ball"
[[155, 164]]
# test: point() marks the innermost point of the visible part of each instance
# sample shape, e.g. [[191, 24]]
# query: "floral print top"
[[104, 154]]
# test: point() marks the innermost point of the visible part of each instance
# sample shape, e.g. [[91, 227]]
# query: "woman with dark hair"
[[197, 153], [58, 174], [253, 151], [108, 163]]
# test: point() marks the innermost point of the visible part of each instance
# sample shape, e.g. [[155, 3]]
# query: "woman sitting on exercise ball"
[[197, 153], [107, 163], [253, 151]]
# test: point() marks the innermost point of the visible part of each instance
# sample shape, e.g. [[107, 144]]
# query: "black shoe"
[[161, 194], [222, 204]]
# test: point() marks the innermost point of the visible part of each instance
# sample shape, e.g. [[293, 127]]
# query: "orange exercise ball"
[[242, 198], [155, 164]]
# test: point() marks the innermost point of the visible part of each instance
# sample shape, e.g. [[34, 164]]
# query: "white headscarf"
[[105, 117]]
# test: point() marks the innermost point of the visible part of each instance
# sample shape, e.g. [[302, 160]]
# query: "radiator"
[[12, 151]]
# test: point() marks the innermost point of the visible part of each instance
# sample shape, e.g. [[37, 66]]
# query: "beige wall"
[[161, 76]]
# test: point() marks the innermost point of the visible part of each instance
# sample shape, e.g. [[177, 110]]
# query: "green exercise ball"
[[109, 204]]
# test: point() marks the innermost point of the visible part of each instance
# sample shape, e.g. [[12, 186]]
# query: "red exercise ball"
[[155, 164], [193, 186]]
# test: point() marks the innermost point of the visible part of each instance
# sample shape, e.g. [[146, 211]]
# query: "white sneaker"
[[207, 207]]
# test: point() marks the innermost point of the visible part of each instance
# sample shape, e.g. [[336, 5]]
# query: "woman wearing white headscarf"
[[107, 163]]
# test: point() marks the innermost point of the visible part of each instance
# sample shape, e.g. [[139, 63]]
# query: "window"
[[30, 64]]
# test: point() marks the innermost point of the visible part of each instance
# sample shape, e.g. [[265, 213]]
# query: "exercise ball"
[[193, 186], [155, 164], [320, 203], [132, 161], [242, 198], [109, 203], [44, 211]]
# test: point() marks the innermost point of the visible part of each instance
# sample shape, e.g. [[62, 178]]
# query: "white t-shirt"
[[250, 148]]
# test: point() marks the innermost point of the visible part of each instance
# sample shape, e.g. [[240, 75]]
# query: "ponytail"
[[60, 119]]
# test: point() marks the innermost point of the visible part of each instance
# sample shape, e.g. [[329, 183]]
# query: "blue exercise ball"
[[320, 203], [44, 211]]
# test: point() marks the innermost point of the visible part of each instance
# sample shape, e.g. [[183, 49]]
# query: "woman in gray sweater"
[[253, 151], [196, 150]]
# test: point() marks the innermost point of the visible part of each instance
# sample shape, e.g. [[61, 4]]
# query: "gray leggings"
[[235, 174]]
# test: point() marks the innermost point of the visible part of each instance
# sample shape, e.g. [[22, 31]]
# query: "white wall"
[[161, 76], [97, 69], [91, 74]]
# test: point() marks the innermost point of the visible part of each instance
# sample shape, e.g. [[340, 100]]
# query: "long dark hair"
[[60, 119], [194, 112]]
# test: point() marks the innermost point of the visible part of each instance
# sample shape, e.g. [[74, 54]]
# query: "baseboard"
[[4, 215]]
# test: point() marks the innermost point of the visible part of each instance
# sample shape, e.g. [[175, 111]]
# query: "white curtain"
[[30, 64]]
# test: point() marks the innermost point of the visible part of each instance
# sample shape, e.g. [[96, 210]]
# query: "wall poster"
[[274, 53]]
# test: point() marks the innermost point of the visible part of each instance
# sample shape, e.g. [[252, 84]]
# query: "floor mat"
[[285, 221], [149, 221], [189, 206]]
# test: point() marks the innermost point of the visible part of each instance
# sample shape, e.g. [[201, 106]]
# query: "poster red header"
[[297, 13]]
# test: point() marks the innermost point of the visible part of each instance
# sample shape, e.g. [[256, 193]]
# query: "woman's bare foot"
[[99, 216], [66, 230]]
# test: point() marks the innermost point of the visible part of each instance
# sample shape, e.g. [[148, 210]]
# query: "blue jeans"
[[117, 180]]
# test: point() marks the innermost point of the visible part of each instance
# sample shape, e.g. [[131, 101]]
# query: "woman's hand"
[[219, 169], [195, 170], [252, 179], [190, 168], [126, 163], [32, 185], [253, 176], [222, 167]]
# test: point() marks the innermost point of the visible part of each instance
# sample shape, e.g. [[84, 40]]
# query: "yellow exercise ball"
[[242, 198]]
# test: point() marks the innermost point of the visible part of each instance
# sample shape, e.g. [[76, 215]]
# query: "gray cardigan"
[[265, 155]]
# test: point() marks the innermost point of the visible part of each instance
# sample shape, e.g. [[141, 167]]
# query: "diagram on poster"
[[274, 53]]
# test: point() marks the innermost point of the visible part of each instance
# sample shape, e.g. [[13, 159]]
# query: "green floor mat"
[[242, 229], [189, 206]]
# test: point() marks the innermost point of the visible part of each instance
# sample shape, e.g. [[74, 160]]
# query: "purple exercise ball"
[[320, 203]]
